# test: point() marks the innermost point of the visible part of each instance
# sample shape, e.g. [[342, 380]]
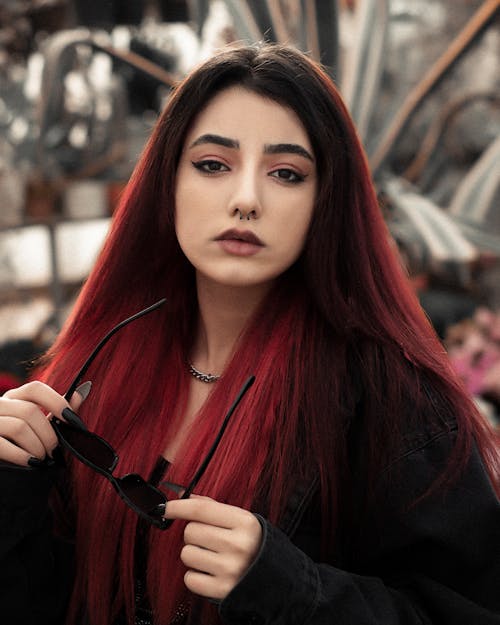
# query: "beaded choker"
[[208, 378]]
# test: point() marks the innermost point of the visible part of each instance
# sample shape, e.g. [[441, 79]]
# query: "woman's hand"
[[25, 430], [221, 542]]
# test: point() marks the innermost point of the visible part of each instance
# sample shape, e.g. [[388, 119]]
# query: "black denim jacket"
[[436, 563]]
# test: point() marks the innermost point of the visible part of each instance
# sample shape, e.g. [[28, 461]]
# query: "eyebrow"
[[217, 139], [273, 148], [287, 148]]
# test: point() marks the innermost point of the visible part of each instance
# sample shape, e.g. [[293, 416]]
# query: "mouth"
[[245, 236]]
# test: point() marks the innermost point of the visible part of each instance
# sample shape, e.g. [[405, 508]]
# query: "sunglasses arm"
[[201, 470], [69, 393]]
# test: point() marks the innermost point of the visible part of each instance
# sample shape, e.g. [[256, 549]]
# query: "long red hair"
[[341, 325]]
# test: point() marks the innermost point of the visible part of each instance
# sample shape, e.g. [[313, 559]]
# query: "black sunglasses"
[[145, 499]]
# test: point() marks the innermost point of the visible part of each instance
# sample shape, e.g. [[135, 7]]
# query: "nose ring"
[[246, 215]]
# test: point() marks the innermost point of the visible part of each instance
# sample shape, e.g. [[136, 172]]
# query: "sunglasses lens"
[[142, 495], [88, 446]]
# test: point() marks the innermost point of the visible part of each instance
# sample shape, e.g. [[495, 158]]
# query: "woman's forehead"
[[237, 112]]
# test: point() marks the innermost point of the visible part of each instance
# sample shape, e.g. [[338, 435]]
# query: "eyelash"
[[204, 165], [296, 178]]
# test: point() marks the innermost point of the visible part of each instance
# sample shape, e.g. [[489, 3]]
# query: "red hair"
[[341, 324]]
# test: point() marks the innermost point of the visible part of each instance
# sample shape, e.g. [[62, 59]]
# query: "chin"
[[238, 281]]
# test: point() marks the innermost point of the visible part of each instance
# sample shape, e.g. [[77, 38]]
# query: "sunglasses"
[[145, 499]]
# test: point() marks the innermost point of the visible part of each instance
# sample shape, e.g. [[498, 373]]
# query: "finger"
[[12, 453], [80, 395], [18, 442], [226, 567], [207, 585], [26, 402], [20, 433], [28, 416], [68, 414], [204, 510], [40, 394], [200, 559], [207, 536], [47, 398]]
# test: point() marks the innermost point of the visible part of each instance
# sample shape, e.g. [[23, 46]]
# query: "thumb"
[[69, 414], [80, 395]]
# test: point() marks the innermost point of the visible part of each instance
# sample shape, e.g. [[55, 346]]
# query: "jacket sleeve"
[[436, 563], [35, 567]]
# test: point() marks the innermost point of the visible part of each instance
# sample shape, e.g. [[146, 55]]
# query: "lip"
[[246, 236], [239, 242]]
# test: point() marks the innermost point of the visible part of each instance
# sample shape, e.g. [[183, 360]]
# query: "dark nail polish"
[[158, 510], [176, 488], [73, 419], [37, 463], [58, 456], [84, 389]]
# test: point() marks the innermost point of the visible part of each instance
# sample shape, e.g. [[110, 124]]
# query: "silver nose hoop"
[[246, 216]]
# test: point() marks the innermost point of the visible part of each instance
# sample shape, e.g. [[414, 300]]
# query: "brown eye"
[[287, 175], [210, 166]]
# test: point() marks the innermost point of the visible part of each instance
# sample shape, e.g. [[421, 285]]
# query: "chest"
[[197, 396]]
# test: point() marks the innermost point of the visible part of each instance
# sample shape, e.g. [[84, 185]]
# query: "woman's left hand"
[[221, 542]]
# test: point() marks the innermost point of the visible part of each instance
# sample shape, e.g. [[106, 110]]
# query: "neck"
[[223, 314]]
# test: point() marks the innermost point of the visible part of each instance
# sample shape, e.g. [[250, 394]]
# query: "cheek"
[[182, 221], [186, 232], [298, 226], [293, 244], [193, 194], [186, 208], [186, 189]]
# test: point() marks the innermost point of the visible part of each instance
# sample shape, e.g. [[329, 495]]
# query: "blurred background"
[[82, 83]]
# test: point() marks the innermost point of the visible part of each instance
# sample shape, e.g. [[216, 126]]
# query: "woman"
[[355, 482]]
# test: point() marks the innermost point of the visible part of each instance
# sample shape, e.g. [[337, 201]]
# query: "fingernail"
[[158, 510], [84, 389], [73, 419], [176, 488], [36, 462], [58, 456]]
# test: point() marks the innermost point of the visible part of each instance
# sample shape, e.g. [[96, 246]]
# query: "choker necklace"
[[208, 378]]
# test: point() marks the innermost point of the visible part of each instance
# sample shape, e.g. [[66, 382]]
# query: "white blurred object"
[[486, 409], [100, 70], [27, 255], [85, 200], [184, 45], [77, 245], [33, 83], [213, 33], [12, 185], [177, 40], [19, 320]]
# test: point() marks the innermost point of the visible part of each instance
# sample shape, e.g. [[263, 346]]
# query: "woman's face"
[[245, 190]]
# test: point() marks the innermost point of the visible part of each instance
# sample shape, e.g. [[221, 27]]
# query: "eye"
[[287, 175], [210, 166]]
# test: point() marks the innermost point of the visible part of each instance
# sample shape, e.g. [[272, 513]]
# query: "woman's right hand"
[[25, 430]]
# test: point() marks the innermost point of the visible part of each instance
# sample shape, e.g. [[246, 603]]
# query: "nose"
[[245, 202], [251, 215]]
